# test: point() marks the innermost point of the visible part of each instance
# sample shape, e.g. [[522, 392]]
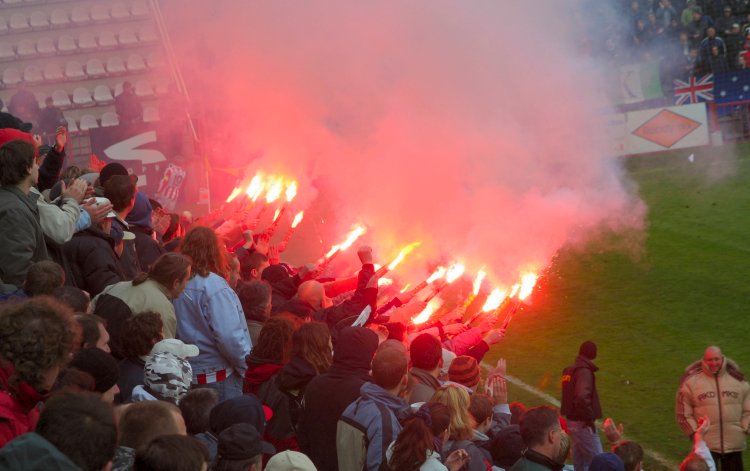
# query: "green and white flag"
[[640, 82]]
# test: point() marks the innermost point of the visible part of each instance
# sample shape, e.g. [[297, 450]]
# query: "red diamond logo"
[[666, 128]]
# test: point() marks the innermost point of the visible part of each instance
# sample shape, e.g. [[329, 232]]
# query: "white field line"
[[553, 400]]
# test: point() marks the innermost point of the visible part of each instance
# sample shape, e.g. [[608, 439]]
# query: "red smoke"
[[471, 126]]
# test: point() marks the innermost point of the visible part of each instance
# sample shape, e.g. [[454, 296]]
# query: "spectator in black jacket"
[[328, 394], [92, 257], [139, 220]]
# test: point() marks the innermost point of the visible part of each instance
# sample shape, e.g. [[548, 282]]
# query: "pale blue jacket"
[[209, 316]]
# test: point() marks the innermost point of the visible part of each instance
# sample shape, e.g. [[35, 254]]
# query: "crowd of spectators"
[[135, 339], [687, 37]]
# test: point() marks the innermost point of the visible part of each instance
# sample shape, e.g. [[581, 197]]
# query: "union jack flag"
[[695, 90]]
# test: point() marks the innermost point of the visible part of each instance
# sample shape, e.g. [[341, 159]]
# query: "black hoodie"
[[328, 394]]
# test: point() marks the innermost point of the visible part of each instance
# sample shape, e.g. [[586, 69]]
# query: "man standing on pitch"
[[581, 407], [715, 388]]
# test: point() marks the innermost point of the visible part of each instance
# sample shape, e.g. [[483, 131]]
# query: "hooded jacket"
[[580, 400], [366, 428], [139, 221], [32, 452], [723, 397], [328, 394], [21, 235], [93, 260], [19, 409]]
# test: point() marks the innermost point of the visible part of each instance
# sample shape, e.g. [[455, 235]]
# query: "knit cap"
[[588, 350], [464, 370], [98, 364]]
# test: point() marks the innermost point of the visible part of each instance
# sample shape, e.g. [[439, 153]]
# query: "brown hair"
[[311, 342], [416, 438], [143, 421], [140, 333], [43, 278], [275, 340], [36, 336], [202, 245], [120, 190], [16, 158], [167, 269]]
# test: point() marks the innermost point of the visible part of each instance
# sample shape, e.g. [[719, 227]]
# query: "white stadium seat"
[[127, 37], [136, 63], [109, 118], [118, 89], [88, 122], [150, 114], [26, 48], [147, 34], [120, 11], [39, 20], [32, 74], [74, 70], [61, 99], [6, 51], [11, 77], [99, 13], [115, 65], [53, 72], [95, 68], [155, 60], [87, 41], [80, 15], [12, 2], [139, 8], [59, 18], [143, 88], [19, 22], [46, 46], [66, 44], [40, 97], [72, 126], [103, 95], [107, 39], [82, 97], [3, 25]]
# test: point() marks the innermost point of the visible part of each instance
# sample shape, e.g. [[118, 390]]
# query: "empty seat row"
[[82, 97], [74, 70], [108, 118], [78, 15], [86, 42]]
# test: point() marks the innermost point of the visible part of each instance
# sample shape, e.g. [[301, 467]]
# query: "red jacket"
[[19, 408]]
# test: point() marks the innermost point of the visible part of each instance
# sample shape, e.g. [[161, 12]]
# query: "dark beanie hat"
[[246, 409], [98, 364], [588, 350], [141, 213], [464, 370], [110, 170]]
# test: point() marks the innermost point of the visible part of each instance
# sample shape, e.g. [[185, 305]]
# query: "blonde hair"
[[457, 400]]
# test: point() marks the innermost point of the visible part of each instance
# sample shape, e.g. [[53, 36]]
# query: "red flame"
[[528, 281], [494, 300], [234, 194], [402, 254], [298, 219], [352, 237], [427, 312], [291, 191]]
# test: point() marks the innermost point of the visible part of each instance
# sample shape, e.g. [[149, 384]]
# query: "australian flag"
[[694, 90], [730, 87]]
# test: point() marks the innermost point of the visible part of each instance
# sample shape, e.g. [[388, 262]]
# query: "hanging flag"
[[694, 90], [640, 82], [732, 86]]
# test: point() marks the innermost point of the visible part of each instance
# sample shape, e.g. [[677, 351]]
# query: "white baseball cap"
[[101, 201], [290, 461], [178, 347]]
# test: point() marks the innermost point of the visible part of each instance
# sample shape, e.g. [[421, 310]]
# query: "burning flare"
[[354, 234], [234, 194], [291, 191], [427, 312], [494, 300], [255, 188], [481, 275], [439, 273], [384, 282], [402, 254], [274, 191], [528, 281], [298, 219], [276, 214], [454, 272]]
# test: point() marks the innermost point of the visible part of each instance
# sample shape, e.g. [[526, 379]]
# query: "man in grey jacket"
[[21, 236]]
